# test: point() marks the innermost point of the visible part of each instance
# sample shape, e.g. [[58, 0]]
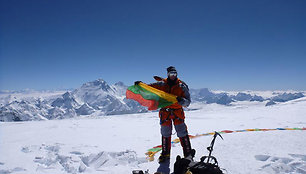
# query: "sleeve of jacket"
[[186, 99], [157, 85]]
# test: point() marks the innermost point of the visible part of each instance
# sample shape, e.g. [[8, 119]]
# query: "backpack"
[[206, 165], [188, 166]]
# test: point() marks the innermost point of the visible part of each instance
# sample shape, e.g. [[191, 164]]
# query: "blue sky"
[[229, 45]]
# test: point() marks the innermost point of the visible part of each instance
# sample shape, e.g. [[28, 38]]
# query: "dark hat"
[[171, 69]]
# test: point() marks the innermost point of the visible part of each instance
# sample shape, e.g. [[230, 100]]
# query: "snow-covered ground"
[[117, 144]]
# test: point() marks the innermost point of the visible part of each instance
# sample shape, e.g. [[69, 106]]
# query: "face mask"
[[172, 74]]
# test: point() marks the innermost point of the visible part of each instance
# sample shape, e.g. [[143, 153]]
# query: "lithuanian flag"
[[149, 96]]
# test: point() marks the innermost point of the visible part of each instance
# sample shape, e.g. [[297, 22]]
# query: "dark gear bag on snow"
[[188, 166], [207, 165], [205, 168]]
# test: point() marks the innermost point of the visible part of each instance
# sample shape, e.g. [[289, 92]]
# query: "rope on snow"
[[151, 152]]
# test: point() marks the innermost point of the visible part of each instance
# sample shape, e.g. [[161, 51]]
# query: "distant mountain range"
[[99, 98]]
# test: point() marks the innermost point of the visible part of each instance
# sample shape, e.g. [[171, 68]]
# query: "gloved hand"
[[137, 82], [179, 99]]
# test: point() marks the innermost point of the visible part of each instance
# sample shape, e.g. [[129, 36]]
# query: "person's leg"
[[166, 132], [182, 133]]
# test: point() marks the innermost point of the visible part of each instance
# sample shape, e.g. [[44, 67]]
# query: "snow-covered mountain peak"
[[67, 95], [66, 101], [120, 88], [120, 84], [204, 91], [92, 91], [85, 109], [98, 95], [97, 84]]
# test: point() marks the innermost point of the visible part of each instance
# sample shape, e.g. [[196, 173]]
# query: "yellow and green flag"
[[149, 96]]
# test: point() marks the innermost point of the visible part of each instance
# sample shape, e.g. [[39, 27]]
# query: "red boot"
[[185, 142], [166, 147]]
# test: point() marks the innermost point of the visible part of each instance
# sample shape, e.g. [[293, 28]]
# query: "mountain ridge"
[[98, 96]]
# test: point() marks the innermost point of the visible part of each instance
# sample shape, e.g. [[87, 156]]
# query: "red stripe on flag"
[[151, 104]]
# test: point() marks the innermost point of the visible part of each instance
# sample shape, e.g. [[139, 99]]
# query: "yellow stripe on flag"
[[162, 94]]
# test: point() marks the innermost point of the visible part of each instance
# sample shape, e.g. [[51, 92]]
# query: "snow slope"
[[117, 144]]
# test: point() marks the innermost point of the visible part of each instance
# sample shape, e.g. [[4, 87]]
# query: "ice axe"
[[211, 148]]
